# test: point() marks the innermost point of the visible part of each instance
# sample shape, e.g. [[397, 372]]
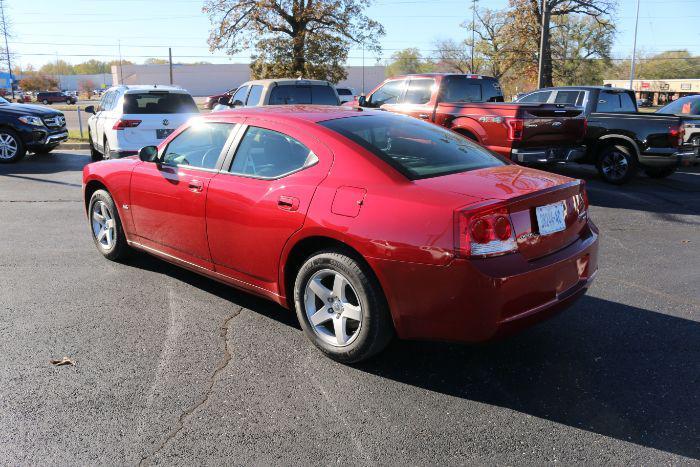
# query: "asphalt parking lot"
[[174, 368]]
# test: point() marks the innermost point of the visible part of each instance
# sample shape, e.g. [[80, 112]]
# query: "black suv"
[[25, 127], [49, 97]]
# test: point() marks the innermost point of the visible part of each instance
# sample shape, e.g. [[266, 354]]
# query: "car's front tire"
[[12, 148], [45, 102], [341, 307], [106, 226]]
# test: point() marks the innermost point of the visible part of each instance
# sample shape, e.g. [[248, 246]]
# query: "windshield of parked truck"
[[415, 148]]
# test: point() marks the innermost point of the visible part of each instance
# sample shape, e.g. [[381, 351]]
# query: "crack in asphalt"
[[184, 416]]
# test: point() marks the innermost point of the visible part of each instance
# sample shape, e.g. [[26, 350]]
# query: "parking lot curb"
[[75, 146]]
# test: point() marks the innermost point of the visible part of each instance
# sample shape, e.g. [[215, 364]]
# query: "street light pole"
[[634, 48], [471, 68]]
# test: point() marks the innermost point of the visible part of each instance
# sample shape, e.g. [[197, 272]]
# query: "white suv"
[[131, 117]]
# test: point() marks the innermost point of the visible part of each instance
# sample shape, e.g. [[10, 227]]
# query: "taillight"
[[675, 135], [515, 128], [121, 124], [484, 231]]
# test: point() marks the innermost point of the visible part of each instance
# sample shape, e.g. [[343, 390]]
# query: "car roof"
[[286, 81], [133, 88], [305, 113], [433, 75], [579, 88]]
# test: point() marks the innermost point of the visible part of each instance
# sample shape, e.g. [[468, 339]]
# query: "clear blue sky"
[[77, 30]]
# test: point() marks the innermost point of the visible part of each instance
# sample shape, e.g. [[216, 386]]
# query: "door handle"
[[196, 186], [424, 116], [288, 203]]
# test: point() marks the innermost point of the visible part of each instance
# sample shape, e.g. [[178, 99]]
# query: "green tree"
[[155, 61], [408, 61], [58, 67], [293, 37], [671, 64], [582, 48], [92, 67]]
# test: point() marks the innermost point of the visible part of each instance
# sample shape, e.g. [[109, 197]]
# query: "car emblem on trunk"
[[166, 122]]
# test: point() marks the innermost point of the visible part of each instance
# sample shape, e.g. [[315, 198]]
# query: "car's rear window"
[[154, 102], [344, 92], [303, 94], [415, 148], [458, 88]]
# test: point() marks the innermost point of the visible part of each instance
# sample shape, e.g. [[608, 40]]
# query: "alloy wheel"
[[103, 225], [333, 308], [614, 165], [8, 146]]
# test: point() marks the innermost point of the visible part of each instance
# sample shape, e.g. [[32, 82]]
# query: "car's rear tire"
[[358, 325], [95, 155], [12, 147], [45, 102], [106, 153], [69, 102], [106, 226], [659, 172], [616, 164]]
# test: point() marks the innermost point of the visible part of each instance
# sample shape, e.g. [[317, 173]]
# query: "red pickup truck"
[[473, 106]]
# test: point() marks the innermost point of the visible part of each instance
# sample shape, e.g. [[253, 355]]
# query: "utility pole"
[[471, 68], [634, 48], [544, 41], [121, 71], [170, 60], [7, 49], [363, 68]]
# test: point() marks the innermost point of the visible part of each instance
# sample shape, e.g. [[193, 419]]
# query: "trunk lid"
[[550, 125], [522, 190]]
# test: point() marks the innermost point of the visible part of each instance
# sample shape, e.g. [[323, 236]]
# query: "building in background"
[[208, 79], [659, 91]]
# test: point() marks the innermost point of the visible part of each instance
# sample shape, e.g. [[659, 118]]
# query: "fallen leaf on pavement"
[[61, 362]]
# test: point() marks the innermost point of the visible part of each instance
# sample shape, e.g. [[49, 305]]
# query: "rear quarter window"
[[159, 103], [464, 89]]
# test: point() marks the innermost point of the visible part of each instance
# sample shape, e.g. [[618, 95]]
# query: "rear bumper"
[[479, 300], [544, 155], [685, 155]]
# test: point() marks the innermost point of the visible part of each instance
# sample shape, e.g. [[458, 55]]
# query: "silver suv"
[[282, 91]]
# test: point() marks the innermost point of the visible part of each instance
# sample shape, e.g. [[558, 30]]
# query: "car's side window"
[[239, 97], [419, 91], [200, 145], [536, 97], [389, 93], [266, 153], [254, 95], [569, 97], [103, 101]]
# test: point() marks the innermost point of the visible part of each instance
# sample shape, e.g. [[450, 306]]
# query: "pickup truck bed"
[[473, 106]]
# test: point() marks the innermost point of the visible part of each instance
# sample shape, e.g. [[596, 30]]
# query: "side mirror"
[[362, 101], [148, 153], [90, 109], [223, 100]]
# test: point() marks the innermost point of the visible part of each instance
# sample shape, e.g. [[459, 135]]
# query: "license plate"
[[550, 218], [163, 133]]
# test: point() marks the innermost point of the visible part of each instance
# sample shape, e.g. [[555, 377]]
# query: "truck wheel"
[[659, 172], [12, 148], [616, 164], [341, 307]]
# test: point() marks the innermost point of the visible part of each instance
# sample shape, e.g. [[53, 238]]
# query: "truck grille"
[[55, 122]]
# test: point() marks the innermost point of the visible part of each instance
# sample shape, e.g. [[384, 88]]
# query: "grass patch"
[[74, 136]]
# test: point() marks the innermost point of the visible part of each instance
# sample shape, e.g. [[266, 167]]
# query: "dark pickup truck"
[[473, 106], [619, 139]]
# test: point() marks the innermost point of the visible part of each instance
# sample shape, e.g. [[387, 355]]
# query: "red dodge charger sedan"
[[369, 224]]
